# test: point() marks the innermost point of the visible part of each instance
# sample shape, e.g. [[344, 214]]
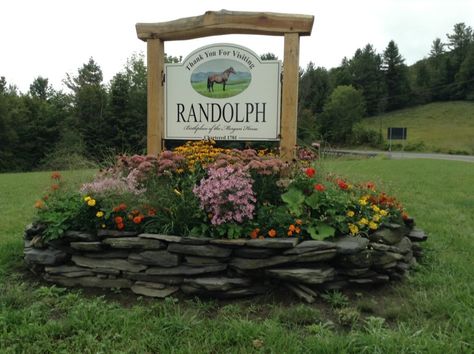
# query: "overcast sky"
[[54, 37]]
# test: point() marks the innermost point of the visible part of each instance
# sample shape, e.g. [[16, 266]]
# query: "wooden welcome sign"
[[218, 23]]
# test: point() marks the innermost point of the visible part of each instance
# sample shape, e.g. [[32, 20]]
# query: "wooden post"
[[289, 99], [155, 96]]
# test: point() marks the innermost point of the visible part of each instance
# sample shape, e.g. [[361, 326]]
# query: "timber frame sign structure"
[[214, 23]]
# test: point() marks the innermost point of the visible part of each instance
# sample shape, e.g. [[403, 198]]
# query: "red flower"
[[120, 226], [118, 220], [55, 187], [151, 212], [343, 185], [122, 206], [138, 219], [310, 172], [56, 175], [272, 233], [370, 185], [319, 187]]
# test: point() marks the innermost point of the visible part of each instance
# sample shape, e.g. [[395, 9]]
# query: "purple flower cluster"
[[249, 159], [114, 184], [227, 195]]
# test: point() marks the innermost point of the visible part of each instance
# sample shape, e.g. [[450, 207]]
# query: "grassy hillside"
[[430, 312], [446, 127]]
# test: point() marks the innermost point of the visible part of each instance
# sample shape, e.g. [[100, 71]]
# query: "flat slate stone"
[[233, 293], [315, 256], [362, 259], [310, 246], [405, 245], [156, 258], [229, 243], [89, 282], [79, 236], [304, 275], [195, 240], [86, 246], [68, 271], [117, 264], [115, 233], [217, 283], [165, 279], [108, 254], [250, 252], [351, 244], [389, 234], [381, 278], [107, 271], [186, 270], [200, 250], [273, 243], [417, 235], [354, 272], [134, 242], [33, 230], [167, 238], [382, 258], [201, 261], [153, 289], [251, 264], [48, 256]]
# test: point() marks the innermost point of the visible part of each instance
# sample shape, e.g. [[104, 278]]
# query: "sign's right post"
[[289, 99]]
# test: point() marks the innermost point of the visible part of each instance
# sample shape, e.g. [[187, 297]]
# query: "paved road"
[[403, 155]]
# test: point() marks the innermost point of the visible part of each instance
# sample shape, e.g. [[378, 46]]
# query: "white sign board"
[[223, 92]]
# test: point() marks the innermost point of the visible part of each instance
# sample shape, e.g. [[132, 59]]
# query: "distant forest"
[[49, 129]]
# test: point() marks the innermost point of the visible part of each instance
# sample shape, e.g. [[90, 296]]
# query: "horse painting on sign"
[[219, 78]]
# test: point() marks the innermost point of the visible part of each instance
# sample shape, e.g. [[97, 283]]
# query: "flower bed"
[[206, 220]]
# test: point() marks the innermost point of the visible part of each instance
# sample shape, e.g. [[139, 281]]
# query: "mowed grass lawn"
[[446, 127], [431, 312]]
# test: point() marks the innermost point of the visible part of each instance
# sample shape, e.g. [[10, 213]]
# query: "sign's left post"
[[155, 96]]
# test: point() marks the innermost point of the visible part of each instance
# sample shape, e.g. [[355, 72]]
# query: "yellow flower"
[[87, 198], [99, 214], [376, 218], [91, 202], [353, 229], [373, 225], [363, 221], [383, 212], [362, 201], [350, 213], [375, 208]]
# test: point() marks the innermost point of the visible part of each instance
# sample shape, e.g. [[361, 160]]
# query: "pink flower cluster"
[[249, 159], [114, 184], [167, 161], [227, 195]]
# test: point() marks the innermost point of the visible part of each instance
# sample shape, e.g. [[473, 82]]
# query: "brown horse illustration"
[[219, 78]]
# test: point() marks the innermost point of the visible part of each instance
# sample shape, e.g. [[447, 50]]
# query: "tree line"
[[47, 128]]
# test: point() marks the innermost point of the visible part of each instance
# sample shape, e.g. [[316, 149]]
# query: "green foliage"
[[396, 78], [336, 299], [344, 108]]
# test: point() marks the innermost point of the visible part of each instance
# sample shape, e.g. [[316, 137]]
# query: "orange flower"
[[56, 175], [118, 220], [120, 226], [46, 197], [291, 228], [138, 219], [151, 212], [39, 204], [135, 212], [122, 206], [405, 216], [254, 233], [55, 187], [290, 233], [298, 222], [272, 233], [297, 230]]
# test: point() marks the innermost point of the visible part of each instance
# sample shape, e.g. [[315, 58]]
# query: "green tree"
[[465, 76], [90, 99], [268, 56], [365, 70], [396, 78], [314, 88], [344, 108]]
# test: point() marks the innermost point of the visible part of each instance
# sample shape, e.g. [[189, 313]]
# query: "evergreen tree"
[[396, 78], [365, 69]]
